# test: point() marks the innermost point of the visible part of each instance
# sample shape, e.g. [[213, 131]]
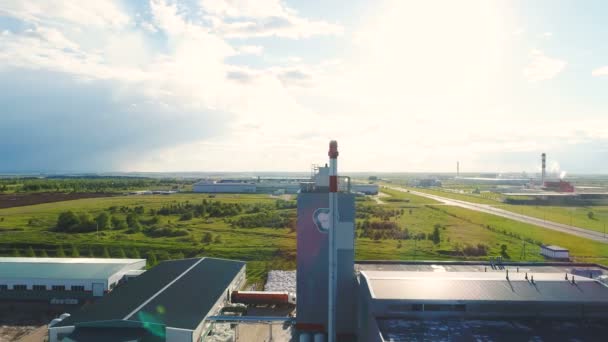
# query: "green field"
[[462, 234], [570, 215], [576, 216], [22, 227], [482, 198]]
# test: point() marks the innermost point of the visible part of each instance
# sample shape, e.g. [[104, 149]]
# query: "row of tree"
[[85, 184], [203, 209], [70, 222], [74, 252], [390, 230]]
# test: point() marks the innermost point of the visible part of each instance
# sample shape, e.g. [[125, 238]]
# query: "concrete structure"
[[224, 186], [62, 280], [170, 302], [555, 252], [394, 296], [313, 257]]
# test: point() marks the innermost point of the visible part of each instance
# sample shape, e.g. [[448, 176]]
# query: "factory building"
[[394, 298], [224, 186], [63, 280], [170, 302], [280, 186]]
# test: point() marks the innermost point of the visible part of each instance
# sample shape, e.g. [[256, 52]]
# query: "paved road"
[[485, 208]]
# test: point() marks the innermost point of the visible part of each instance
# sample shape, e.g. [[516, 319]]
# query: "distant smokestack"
[[333, 252], [544, 168], [457, 169]]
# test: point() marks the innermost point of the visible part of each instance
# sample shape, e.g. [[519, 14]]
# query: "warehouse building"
[[63, 280], [170, 302], [224, 186], [394, 299]]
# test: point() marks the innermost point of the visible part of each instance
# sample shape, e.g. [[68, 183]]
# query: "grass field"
[[483, 198], [570, 215], [576, 216], [22, 227], [274, 248]]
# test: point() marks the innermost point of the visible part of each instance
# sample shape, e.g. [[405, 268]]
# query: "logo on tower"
[[321, 219]]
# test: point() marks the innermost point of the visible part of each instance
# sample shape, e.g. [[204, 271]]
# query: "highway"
[[485, 208]]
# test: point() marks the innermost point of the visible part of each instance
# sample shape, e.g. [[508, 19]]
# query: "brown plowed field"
[[20, 200]]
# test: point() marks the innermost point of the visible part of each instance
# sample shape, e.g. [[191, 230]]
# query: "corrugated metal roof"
[[555, 248], [494, 286], [176, 293], [61, 268]]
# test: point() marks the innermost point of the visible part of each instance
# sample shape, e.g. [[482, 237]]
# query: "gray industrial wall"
[[313, 264]]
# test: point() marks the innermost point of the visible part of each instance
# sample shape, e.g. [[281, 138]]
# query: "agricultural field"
[[260, 229]]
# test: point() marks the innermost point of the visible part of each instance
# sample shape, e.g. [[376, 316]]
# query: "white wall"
[[179, 335]]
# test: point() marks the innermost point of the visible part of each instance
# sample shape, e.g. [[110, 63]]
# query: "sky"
[[263, 85]]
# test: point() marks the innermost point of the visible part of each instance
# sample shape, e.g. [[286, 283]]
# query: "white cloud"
[[262, 18], [420, 87], [245, 8], [105, 14], [251, 50], [542, 67], [602, 71]]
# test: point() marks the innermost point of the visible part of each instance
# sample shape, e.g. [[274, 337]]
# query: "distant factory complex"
[[277, 185]]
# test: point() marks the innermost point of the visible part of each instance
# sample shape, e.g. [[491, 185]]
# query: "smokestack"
[[333, 255], [457, 169], [544, 168]]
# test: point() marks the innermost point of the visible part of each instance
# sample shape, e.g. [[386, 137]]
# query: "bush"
[[133, 222], [103, 221], [479, 250], [186, 216], [165, 232], [207, 238], [436, 236], [121, 254], [118, 223], [67, 220], [152, 259], [135, 254]]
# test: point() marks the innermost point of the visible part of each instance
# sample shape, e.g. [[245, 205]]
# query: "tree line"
[[84, 184]]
